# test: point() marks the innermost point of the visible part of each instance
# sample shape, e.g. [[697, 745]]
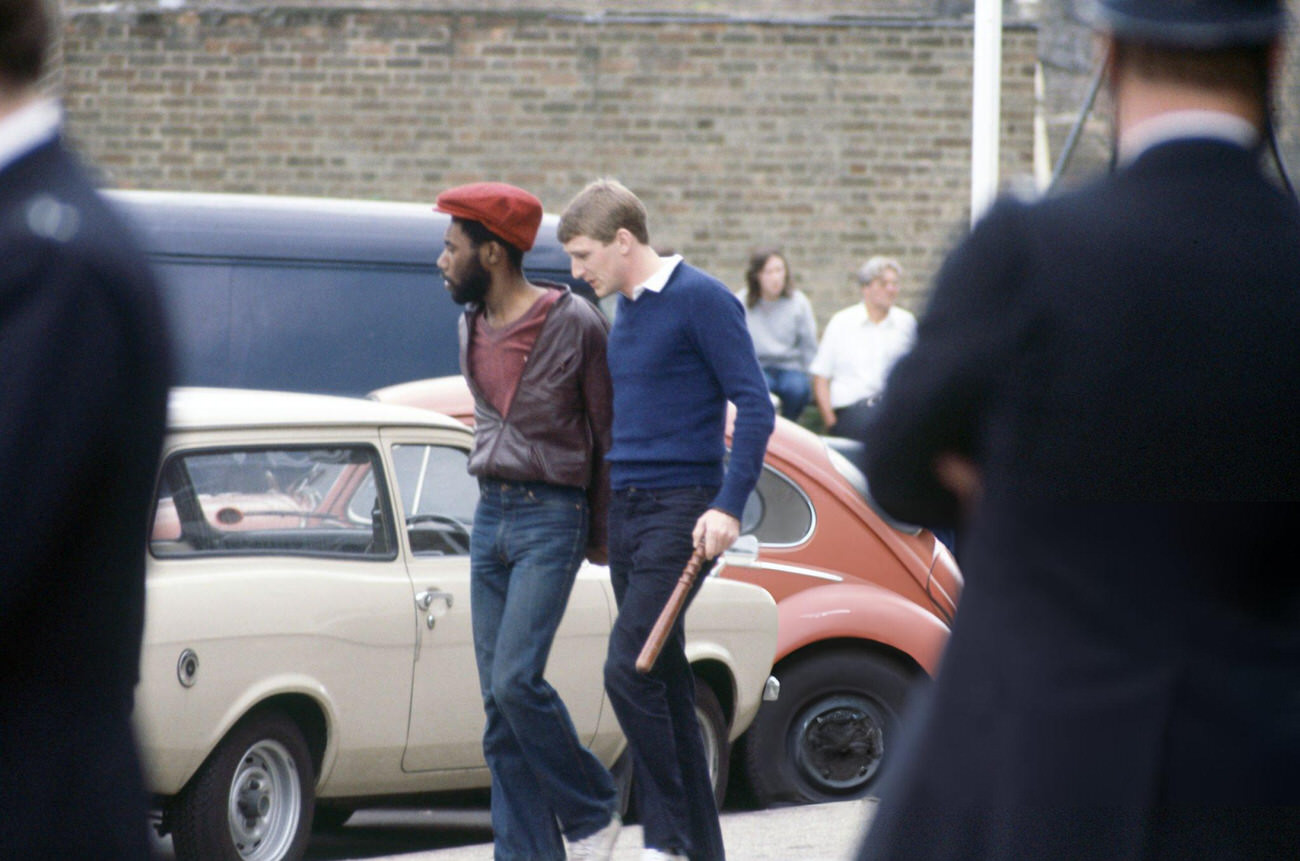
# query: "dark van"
[[305, 294]]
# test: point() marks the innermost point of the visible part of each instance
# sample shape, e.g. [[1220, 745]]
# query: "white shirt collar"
[[659, 280], [864, 319], [27, 128], [1215, 125]]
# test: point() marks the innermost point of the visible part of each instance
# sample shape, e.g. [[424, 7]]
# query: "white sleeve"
[[824, 362]]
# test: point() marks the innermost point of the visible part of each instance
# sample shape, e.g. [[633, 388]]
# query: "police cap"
[[1194, 24]]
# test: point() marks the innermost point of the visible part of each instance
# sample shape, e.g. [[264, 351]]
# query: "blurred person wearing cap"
[[1103, 394], [859, 347], [679, 351], [85, 367], [533, 355]]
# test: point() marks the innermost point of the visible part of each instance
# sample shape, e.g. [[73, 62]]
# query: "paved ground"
[[820, 832]]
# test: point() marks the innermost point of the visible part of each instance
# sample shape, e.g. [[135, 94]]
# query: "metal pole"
[[986, 106], [1072, 140]]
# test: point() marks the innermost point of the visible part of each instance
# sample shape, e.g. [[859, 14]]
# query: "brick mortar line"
[[123, 11]]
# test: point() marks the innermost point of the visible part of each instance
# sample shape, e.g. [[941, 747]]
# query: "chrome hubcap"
[[265, 802]]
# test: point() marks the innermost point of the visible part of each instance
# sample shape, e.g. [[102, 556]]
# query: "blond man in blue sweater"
[[678, 352]]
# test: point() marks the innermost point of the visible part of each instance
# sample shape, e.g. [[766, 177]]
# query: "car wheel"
[[713, 729], [825, 738], [622, 772], [252, 798], [717, 752]]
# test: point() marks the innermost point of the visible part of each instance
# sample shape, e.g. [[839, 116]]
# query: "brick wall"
[[783, 9], [836, 138]]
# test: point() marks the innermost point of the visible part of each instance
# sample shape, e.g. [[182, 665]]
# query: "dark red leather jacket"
[[557, 429]]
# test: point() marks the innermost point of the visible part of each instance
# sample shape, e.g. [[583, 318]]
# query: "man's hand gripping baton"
[[654, 643]]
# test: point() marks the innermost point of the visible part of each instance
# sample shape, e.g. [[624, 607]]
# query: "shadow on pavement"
[[378, 833], [381, 833]]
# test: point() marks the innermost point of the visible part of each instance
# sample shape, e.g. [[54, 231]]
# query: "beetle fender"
[[860, 611]]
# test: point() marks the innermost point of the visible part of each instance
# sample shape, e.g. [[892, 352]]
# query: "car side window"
[[273, 501], [777, 511], [439, 497]]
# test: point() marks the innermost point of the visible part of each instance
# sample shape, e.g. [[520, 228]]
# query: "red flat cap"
[[509, 212]]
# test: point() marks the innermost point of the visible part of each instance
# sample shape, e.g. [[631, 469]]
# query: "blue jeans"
[[792, 387], [649, 544], [528, 542]]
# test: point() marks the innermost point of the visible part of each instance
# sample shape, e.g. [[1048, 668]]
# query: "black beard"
[[472, 287]]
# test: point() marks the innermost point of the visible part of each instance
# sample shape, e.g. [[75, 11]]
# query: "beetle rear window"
[[777, 512]]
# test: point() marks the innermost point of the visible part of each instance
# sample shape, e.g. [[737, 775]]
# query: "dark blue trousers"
[[649, 544], [792, 387]]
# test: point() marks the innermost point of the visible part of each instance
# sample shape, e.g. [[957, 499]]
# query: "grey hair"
[[875, 267]]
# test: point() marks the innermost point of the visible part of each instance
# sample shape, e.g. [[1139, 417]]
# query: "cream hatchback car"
[[307, 646]]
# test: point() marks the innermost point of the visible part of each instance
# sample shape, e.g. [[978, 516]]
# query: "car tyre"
[[622, 773], [826, 737], [713, 729], [717, 752], [252, 799]]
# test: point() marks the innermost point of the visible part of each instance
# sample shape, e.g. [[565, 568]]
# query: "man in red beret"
[[534, 358]]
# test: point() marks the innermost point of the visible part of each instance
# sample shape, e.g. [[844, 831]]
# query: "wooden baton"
[[654, 643]]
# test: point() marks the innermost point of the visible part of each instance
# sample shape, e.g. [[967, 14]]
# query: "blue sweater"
[[676, 357]]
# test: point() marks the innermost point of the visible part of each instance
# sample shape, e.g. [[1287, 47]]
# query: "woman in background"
[[783, 329]]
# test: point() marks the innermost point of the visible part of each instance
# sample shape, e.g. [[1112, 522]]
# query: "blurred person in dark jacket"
[[84, 369], [1104, 393]]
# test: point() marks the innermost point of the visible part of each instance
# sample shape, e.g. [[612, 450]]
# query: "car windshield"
[[439, 497]]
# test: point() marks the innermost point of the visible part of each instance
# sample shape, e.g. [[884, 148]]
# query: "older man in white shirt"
[[860, 346]]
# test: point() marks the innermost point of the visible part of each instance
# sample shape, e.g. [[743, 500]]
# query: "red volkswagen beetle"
[[864, 606]]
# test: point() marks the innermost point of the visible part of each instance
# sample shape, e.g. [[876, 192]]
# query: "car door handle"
[[425, 599], [436, 603]]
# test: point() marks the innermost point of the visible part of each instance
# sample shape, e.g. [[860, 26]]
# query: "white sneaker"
[[661, 855], [598, 846]]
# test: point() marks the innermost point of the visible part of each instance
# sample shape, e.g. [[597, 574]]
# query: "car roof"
[[318, 229], [450, 394], [191, 409]]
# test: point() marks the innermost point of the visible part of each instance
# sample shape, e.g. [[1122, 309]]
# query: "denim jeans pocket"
[[567, 498]]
